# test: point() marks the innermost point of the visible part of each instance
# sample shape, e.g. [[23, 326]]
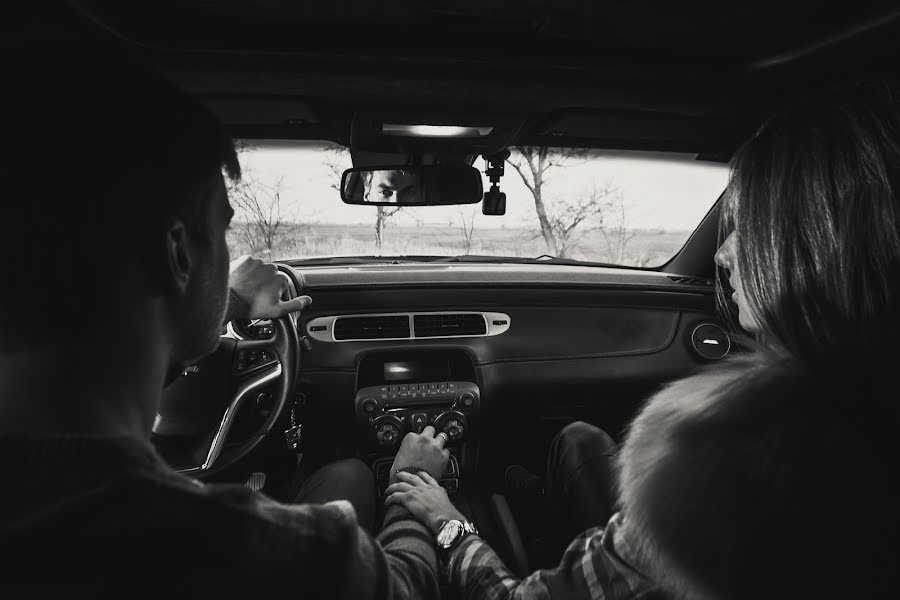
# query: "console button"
[[443, 388], [418, 421], [432, 389], [451, 387], [384, 392], [404, 391]]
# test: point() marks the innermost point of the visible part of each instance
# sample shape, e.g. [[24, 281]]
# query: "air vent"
[[358, 328], [698, 281], [443, 325], [710, 341], [371, 327]]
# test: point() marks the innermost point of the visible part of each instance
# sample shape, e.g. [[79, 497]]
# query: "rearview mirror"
[[428, 185]]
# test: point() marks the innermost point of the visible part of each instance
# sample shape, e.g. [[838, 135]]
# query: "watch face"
[[449, 533]]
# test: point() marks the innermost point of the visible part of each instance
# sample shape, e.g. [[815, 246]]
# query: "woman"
[[769, 475]]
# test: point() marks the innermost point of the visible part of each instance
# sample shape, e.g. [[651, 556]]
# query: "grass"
[[645, 248]]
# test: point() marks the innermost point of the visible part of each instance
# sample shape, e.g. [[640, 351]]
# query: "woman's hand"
[[423, 496]]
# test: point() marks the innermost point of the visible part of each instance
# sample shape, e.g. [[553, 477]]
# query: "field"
[[642, 248]]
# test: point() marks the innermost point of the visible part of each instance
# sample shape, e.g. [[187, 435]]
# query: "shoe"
[[519, 482]]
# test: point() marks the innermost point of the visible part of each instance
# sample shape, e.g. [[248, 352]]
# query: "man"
[[116, 271], [394, 186]]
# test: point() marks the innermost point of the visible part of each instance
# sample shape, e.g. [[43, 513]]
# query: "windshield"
[[624, 208]]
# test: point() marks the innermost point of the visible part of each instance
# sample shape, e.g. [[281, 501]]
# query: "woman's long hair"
[[770, 475], [814, 201]]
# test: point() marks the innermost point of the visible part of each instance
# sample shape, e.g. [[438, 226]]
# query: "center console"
[[402, 392]]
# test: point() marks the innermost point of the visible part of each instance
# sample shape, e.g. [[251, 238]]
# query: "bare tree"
[[258, 208], [563, 220], [337, 159], [467, 227], [616, 233]]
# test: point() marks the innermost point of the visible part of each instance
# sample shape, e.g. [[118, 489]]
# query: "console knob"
[[369, 405], [453, 423], [387, 434], [467, 400], [388, 430], [454, 429]]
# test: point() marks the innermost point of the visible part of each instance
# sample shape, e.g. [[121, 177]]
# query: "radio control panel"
[[386, 413]]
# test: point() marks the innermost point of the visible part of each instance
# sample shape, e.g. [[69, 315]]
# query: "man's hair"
[[99, 156], [814, 201], [759, 479]]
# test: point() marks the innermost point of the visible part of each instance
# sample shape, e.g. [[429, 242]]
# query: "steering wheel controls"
[[251, 359]]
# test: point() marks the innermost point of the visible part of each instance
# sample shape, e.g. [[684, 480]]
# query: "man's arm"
[[320, 550], [593, 566]]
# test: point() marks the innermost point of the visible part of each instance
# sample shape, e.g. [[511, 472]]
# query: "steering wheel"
[[199, 409]]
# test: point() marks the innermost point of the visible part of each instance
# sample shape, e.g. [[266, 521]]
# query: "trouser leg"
[[581, 480], [348, 479]]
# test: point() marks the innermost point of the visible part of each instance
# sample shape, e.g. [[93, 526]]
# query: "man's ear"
[[179, 262]]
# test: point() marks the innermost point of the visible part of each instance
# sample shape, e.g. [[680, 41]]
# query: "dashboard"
[[535, 346]]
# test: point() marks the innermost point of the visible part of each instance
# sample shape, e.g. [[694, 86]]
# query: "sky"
[[670, 192]]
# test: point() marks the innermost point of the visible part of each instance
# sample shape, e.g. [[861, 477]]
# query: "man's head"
[[113, 197], [395, 186]]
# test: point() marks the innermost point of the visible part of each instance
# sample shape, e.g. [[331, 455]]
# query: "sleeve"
[[320, 551], [593, 566], [400, 564], [236, 308]]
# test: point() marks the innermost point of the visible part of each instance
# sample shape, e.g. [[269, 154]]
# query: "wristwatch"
[[452, 532]]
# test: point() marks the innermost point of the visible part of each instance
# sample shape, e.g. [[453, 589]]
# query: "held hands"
[[424, 498], [422, 451], [421, 494], [261, 285]]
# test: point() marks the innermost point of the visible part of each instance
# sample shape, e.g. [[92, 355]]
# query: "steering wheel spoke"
[[267, 375]]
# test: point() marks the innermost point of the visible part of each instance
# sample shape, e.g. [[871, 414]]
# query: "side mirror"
[[428, 185]]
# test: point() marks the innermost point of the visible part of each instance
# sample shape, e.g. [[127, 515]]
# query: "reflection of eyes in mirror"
[[416, 185], [395, 186]]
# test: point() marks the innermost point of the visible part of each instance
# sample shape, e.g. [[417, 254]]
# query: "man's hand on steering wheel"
[[262, 286]]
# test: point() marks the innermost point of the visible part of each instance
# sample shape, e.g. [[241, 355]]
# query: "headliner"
[[691, 76]]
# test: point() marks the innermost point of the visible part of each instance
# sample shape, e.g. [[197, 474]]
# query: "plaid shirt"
[[595, 565]]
